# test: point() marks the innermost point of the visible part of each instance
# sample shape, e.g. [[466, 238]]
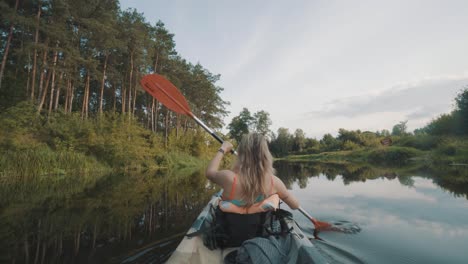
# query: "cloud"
[[417, 100]]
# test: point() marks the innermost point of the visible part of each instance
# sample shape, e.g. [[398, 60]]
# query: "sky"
[[324, 65]]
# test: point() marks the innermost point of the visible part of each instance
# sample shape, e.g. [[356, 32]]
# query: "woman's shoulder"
[[278, 183], [276, 180], [226, 176]]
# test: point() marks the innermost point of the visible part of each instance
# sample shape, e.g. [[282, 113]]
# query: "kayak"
[[192, 250]]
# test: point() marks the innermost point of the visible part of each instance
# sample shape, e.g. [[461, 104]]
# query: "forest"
[[70, 97]]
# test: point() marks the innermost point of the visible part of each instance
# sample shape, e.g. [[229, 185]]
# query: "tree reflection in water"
[[107, 218], [451, 178], [87, 218]]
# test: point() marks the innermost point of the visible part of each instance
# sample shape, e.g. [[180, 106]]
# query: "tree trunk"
[[130, 86], [52, 86], [115, 96], [156, 121], [67, 96], [166, 135], [36, 40], [123, 92], [84, 109], [93, 246], [7, 47], [57, 96], [152, 115], [102, 84], [148, 115], [44, 93], [134, 96], [77, 242], [72, 95], [36, 258], [44, 66], [177, 125], [26, 249], [156, 63], [29, 73], [44, 247]]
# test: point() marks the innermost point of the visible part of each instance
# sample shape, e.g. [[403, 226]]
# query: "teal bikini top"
[[241, 203]]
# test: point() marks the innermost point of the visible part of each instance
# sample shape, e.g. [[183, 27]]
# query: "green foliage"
[[245, 122], [240, 124], [17, 124], [281, 144], [42, 161], [299, 140], [180, 160], [400, 129], [262, 122], [421, 142], [350, 145], [196, 143], [312, 145], [455, 123], [445, 124], [449, 150], [64, 143], [462, 109], [392, 155], [329, 143]]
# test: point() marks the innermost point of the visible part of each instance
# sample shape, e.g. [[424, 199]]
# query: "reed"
[[44, 162]]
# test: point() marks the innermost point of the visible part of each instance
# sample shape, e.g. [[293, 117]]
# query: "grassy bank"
[[33, 145], [446, 152], [42, 161]]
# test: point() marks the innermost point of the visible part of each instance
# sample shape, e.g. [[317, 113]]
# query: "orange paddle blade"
[[320, 225], [166, 93]]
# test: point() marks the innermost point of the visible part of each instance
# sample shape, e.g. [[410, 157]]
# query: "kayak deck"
[[192, 250]]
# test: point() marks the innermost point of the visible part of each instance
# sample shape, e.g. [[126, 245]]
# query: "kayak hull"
[[192, 250]]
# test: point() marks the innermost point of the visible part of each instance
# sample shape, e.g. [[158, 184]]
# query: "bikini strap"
[[233, 188]]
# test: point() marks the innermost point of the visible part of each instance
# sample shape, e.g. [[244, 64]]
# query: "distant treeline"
[[445, 132]]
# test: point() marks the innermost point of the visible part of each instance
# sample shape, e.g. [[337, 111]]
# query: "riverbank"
[[444, 154], [34, 145]]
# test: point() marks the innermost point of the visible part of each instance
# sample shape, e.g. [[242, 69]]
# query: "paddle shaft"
[[189, 113], [304, 212], [209, 130]]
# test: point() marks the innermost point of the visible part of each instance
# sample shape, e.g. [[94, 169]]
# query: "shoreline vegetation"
[[37, 146], [444, 154]]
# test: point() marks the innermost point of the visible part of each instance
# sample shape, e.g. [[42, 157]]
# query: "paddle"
[[166, 93]]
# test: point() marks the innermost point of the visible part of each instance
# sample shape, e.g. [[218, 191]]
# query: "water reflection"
[[451, 178], [88, 219], [407, 215], [141, 218]]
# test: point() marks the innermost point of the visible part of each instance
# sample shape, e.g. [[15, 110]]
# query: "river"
[[406, 215]]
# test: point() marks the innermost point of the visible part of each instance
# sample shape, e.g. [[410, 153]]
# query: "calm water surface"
[[404, 219], [407, 215]]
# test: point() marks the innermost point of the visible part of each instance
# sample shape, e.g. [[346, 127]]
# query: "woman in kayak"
[[252, 178]]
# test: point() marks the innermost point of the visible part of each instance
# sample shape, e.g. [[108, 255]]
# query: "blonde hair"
[[254, 163]]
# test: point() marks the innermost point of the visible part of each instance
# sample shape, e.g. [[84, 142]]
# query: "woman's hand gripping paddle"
[[166, 93]]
